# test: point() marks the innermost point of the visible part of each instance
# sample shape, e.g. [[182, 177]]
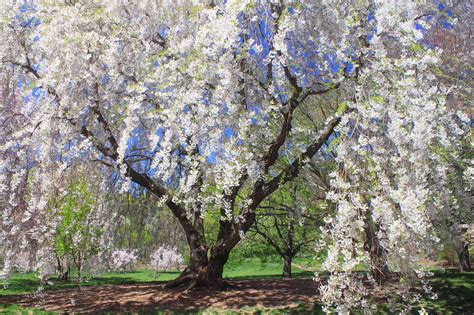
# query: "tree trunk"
[[64, 275], [379, 268], [288, 249], [287, 266], [204, 271], [463, 256], [63, 269]]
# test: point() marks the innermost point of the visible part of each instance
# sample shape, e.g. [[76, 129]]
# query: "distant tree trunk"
[[63, 269], [64, 275], [463, 256], [288, 249], [287, 266], [78, 264]]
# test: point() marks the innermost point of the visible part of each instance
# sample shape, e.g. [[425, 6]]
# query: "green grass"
[[253, 268], [25, 283], [15, 310]]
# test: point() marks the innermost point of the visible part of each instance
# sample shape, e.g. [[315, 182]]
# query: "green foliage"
[[252, 249], [77, 237], [144, 225], [291, 210], [211, 225]]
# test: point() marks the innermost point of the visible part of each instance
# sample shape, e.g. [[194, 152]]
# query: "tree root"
[[197, 280], [181, 280]]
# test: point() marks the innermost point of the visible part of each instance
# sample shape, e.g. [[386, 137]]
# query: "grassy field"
[[455, 290]]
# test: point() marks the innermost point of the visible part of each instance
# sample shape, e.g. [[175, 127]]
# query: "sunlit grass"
[[15, 310], [26, 283], [254, 268]]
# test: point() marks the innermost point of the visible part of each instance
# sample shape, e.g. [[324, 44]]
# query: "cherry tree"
[[454, 219], [401, 168], [22, 194], [209, 107], [179, 104]]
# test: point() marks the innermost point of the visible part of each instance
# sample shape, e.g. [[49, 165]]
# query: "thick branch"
[[264, 189]]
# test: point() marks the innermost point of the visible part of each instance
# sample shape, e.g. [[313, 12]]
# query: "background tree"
[[79, 231], [289, 222]]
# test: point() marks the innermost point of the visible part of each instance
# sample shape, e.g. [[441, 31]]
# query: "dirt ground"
[[267, 293]]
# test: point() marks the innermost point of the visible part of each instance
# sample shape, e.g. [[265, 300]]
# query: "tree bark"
[[204, 271], [379, 268], [64, 275], [288, 249], [63, 269], [463, 256], [287, 266]]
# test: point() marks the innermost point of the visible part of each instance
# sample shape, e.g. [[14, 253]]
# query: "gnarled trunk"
[[206, 269], [203, 270]]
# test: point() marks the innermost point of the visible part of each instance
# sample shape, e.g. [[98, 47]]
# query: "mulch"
[[261, 294]]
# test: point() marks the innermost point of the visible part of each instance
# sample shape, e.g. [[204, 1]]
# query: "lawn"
[[455, 293]]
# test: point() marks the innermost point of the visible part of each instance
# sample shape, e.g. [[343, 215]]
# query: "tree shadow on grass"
[[255, 294], [455, 292], [29, 283]]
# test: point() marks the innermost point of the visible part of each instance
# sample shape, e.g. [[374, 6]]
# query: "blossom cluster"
[[123, 260], [391, 178], [166, 258]]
